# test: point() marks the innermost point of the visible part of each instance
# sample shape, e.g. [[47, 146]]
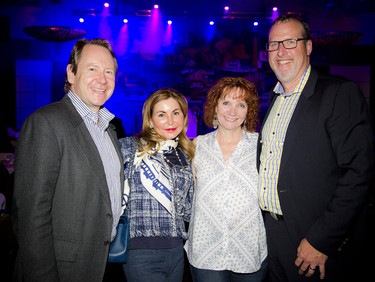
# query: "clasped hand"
[[310, 259]]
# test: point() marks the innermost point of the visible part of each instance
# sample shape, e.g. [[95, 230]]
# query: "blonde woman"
[[159, 176]]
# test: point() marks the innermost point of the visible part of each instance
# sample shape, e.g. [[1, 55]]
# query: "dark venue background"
[[189, 54]]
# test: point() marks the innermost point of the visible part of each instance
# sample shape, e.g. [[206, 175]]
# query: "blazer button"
[[106, 243]]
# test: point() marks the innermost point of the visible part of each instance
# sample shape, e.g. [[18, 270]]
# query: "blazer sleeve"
[[36, 172], [350, 131]]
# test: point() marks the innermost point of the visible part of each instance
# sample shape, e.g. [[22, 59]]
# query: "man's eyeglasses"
[[290, 43]]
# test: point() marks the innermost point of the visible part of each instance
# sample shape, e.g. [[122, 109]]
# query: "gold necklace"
[[178, 157], [178, 199]]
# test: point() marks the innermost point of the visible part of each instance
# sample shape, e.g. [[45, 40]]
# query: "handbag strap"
[[130, 172], [129, 163]]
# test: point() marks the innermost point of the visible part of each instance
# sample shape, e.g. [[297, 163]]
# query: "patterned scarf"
[[156, 176]]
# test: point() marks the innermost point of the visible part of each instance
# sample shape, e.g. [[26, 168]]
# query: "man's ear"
[[69, 74], [309, 47]]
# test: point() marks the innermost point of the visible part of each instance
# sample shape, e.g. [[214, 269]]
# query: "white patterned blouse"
[[226, 230]]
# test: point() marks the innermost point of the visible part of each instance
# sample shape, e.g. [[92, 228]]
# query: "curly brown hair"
[[150, 139], [248, 93]]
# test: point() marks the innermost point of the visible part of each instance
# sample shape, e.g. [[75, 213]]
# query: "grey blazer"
[[62, 209]]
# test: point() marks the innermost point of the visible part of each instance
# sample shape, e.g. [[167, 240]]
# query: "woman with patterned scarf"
[[159, 179]]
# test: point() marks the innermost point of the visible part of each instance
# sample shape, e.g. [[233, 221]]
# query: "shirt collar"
[[101, 119], [279, 89]]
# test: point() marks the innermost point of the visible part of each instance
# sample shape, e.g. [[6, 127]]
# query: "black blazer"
[[327, 162]]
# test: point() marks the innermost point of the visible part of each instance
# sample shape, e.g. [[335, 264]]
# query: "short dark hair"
[[297, 18], [76, 53]]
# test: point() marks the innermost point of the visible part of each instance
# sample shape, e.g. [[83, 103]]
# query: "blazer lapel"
[[297, 119], [89, 149], [113, 136]]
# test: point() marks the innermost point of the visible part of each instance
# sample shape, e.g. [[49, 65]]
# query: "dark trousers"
[[147, 265], [282, 252], [205, 275]]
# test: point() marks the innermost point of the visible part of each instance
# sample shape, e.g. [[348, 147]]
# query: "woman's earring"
[[151, 126], [244, 125], [215, 122]]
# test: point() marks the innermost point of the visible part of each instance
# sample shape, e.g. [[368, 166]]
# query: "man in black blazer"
[[69, 175], [315, 164]]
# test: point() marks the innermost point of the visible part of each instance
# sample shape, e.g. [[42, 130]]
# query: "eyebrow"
[[162, 111]]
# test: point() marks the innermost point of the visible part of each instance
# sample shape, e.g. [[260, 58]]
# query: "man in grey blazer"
[[315, 165], [69, 175]]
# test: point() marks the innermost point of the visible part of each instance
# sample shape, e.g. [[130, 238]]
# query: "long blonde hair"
[[148, 138]]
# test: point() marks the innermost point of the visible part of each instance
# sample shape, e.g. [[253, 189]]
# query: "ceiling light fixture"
[[54, 33]]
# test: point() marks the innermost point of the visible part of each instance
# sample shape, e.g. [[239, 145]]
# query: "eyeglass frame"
[[282, 42]]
